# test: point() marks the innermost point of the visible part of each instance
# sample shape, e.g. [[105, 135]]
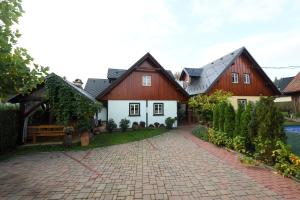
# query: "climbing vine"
[[69, 104]]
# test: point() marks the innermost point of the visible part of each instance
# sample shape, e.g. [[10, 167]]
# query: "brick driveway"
[[175, 165]]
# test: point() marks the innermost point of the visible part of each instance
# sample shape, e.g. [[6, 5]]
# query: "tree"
[[216, 116], [18, 73], [238, 115], [229, 122], [221, 116], [204, 104]]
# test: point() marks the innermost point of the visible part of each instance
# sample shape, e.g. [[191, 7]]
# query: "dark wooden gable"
[[260, 84], [129, 86]]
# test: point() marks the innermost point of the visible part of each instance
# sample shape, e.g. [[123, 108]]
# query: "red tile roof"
[[293, 86]]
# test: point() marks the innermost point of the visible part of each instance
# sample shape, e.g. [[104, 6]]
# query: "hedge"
[[9, 122]]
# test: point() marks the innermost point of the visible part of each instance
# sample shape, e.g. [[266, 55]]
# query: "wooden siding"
[[257, 84], [131, 87]]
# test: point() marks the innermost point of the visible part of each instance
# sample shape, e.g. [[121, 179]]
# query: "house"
[[236, 72], [284, 102], [145, 92], [293, 90]]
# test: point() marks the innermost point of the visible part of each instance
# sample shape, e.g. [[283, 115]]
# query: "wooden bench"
[[45, 130]]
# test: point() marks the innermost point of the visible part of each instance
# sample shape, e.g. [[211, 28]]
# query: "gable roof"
[[293, 86], [147, 56], [95, 86], [283, 82], [19, 97], [115, 73], [211, 73]]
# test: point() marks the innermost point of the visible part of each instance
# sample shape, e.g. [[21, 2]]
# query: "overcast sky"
[[82, 38]]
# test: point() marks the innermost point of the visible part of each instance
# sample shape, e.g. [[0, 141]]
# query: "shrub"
[[111, 125], [244, 124], [222, 116], [169, 122], [151, 126], [216, 116], [162, 126], [239, 144], [9, 120], [124, 124], [248, 161], [218, 138], [142, 124], [238, 115], [156, 124], [135, 126], [201, 132], [263, 149], [229, 121]]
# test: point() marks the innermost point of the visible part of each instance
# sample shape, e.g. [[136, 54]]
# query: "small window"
[[243, 102], [235, 78], [146, 80], [134, 109], [247, 78], [158, 109]]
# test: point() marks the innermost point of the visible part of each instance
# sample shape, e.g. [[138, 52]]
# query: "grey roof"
[[283, 82], [95, 86], [206, 76], [115, 73]]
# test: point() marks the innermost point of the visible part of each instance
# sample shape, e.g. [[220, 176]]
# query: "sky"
[[82, 38]]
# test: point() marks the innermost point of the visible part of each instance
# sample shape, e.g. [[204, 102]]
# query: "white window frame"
[[234, 77], [243, 102], [247, 78], [160, 109], [136, 109], [146, 80]]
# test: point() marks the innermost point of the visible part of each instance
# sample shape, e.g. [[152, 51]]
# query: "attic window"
[[234, 77], [146, 80]]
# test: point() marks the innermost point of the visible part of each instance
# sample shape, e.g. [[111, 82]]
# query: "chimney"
[[78, 83]]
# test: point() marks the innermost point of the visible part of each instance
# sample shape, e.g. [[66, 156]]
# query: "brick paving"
[[175, 165]]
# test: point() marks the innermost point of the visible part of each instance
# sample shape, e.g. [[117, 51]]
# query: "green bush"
[[9, 120], [216, 116], [229, 121], [135, 126], [111, 125], [169, 122], [142, 124], [217, 137], [201, 132], [239, 144], [238, 115], [124, 124], [221, 116]]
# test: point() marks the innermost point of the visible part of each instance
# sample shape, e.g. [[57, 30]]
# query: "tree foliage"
[[18, 73], [68, 104], [221, 115], [238, 119], [205, 104], [216, 116], [229, 120]]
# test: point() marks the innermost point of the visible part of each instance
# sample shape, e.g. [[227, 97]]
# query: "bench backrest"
[[46, 130]]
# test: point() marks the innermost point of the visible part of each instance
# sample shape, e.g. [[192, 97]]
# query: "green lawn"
[[101, 140], [289, 123], [294, 141]]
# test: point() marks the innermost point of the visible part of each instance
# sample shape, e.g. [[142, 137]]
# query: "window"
[[158, 109], [235, 78], [243, 102], [247, 78], [134, 109], [146, 80]]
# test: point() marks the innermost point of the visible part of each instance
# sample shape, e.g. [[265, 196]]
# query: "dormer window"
[[234, 77], [146, 80]]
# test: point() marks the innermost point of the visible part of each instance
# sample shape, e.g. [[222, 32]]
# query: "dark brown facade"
[[131, 87], [242, 65]]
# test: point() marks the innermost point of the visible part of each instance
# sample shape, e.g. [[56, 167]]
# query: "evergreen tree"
[[238, 115], [216, 116], [245, 119], [221, 116], [229, 121]]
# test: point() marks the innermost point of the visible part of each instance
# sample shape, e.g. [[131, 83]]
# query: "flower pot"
[[85, 139]]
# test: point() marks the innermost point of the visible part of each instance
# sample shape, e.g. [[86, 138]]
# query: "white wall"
[[103, 114], [119, 109]]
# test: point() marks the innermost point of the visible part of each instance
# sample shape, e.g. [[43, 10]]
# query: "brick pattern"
[[171, 166]]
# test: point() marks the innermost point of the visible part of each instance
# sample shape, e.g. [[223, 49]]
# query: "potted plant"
[[68, 130]]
